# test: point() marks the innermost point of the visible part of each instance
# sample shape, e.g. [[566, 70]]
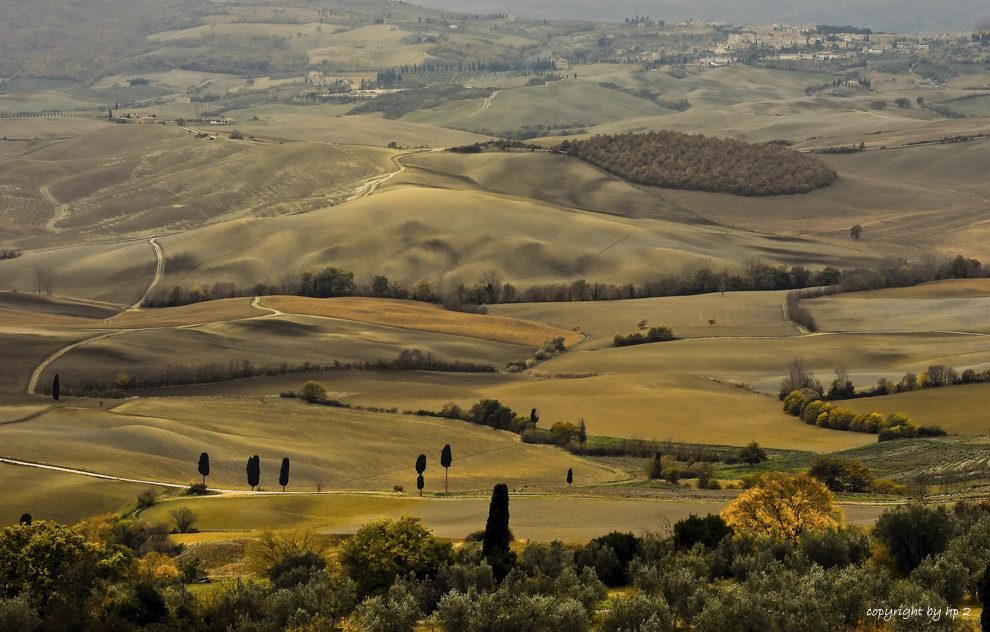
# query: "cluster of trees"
[[812, 410], [396, 104], [655, 334], [664, 101], [9, 253], [684, 161], [799, 378], [791, 562]]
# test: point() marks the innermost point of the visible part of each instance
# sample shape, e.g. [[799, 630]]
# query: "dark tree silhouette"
[[283, 473], [55, 388], [445, 460], [421, 464], [570, 475], [856, 232], [420, 484], [254, 471], [533, 417], [497, 535], [983, 593], [582, 431], [26, 519], [204, 466]]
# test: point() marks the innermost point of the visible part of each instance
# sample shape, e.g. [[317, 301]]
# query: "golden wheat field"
[[423, 317]]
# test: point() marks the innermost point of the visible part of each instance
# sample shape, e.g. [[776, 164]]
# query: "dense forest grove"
[[696, 162], [776, 560]]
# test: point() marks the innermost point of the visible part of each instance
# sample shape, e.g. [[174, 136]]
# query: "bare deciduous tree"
[[799, 378], [45, 278], [184, 519], [491, 281]]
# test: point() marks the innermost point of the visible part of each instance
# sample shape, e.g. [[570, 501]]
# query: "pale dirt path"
[[485, 105], [61, 210], [159, 272], [58, 354], [368, 187]]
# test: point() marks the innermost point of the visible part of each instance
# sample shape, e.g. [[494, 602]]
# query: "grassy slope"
[[269, 342], [557, 103], [66, 498], [161, 440], [137, 179], [735, 313]]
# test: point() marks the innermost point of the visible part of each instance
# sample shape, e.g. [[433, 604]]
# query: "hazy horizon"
[[901, 16]]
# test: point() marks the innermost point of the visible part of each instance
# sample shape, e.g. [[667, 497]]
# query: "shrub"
[[708, 531], [314, 392], [197, 489], [913, 532], [638, 613], [147, 497], [383, 550]]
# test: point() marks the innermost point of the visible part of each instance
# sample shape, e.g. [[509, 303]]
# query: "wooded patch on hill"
[[696, 162]]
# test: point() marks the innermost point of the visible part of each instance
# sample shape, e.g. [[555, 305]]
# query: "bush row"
[[817, 412]]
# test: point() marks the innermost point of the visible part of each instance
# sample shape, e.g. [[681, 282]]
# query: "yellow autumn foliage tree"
[[782, 505]]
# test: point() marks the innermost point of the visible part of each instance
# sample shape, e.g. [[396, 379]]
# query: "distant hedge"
[[656, 334], [696, 162]]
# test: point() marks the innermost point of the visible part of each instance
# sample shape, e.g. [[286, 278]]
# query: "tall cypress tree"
[[497, 535], [283, 474], [56, 387], [420, 468], [570, 475], [254, 471], [445, 460], [204, 466]]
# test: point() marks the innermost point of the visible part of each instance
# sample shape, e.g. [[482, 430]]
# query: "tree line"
[[490, 288], [684, 161], [212, 372]]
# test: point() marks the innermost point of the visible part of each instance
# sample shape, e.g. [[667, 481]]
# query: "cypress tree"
[[55, 388], [420, 468], [570, 475], [497, 536], [204, 466], [283, 474], [254, 471], [445, 460]]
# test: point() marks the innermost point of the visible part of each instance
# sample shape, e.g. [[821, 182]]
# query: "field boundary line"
[[33, 415]]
